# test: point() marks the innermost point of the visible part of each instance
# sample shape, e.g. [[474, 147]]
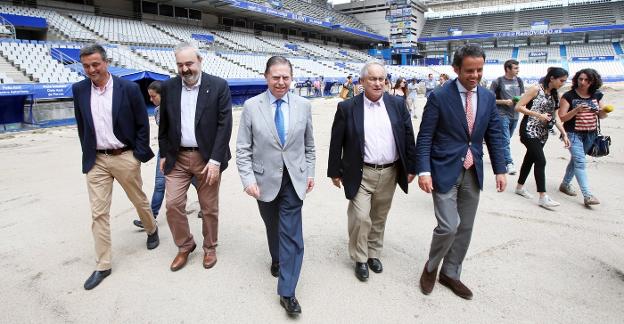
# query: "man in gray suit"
[[275, 157]]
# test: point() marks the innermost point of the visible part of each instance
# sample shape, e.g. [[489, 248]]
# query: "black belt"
[[378, 166], [116, 151], [188, 149]]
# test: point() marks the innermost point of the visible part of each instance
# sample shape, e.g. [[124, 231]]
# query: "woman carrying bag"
[[539, 118], [580, 109]]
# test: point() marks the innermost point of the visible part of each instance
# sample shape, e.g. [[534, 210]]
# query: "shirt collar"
[[108, 85], [272, 98], [194, 87], [461, 88], [371, 103]]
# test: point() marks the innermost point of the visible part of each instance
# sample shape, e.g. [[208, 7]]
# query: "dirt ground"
[[525, 264]]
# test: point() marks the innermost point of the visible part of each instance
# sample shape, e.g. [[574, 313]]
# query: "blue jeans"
[[509, 126], [580, 143], [159, 187]]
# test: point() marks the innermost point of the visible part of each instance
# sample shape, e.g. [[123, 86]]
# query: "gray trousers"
[[455, 211]]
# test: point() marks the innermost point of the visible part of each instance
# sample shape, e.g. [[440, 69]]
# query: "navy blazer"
[[213, 120], [443, 139], [346, 150], [130, 121]]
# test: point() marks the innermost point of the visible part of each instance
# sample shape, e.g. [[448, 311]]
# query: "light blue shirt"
[[285, 108]]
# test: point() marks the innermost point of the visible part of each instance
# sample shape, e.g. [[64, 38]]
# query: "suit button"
[[280, 169], [462, 159], [469, 143]]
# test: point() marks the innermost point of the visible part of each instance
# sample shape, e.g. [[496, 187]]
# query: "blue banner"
[[203, 37], [592, 58], [491, 61], [25, 21], [38, 90], [538, 54]]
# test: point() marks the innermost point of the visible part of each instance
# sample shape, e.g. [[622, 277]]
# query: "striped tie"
[[468, 161]]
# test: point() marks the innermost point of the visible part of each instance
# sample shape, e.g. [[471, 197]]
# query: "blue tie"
[[279, 121]]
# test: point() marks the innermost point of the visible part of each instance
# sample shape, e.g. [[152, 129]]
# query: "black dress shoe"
[[200, 214], [291, 305], [375, 265], [137, 223], [95, 279], [275, 269], [361, 271], [153, 240]]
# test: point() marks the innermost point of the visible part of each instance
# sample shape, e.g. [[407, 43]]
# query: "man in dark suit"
[[194, 135], [372, 149], [114, 135], [458, 117]]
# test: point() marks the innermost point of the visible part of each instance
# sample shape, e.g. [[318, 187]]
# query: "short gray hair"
[[364, 71], [186, 45], [91, 49]]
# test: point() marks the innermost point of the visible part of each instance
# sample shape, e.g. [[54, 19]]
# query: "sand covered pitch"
[[525, 263]]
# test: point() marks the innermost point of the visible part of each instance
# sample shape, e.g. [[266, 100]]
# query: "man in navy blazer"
[[114, 134], [372, 149], [456, 120]]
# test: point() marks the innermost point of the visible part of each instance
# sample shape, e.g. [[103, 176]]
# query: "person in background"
[[430, 84], [539, 105], [412, 89], [400, 88], [349, 86], [506, 88], [580, 109]]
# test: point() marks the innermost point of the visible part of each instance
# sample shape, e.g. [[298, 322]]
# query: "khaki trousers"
[[126, 169], [367, 212], [189, 164]]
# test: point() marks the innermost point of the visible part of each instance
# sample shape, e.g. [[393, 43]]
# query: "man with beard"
[[194, 136]]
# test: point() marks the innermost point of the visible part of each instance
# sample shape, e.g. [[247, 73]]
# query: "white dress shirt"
[[285, 108], [379, 145], [188, 106], [102, 114], [462, 95]]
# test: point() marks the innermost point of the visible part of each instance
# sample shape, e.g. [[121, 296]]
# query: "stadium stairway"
[[514, 53], [239, 63], [617, 46], [12, 71]]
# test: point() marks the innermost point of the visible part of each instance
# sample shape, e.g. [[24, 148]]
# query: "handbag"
[[601, 144], [344, 92]]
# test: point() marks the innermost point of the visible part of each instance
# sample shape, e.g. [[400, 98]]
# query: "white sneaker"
[[524, 193], [511, 169], [547, 202]]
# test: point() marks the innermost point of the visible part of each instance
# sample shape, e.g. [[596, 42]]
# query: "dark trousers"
[[282, 218], [534, 155]]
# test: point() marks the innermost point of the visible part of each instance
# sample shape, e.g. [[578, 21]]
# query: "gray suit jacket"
[[260, 156]]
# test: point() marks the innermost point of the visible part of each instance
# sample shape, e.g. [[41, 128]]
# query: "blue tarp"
[[25, 21], [140, 75]]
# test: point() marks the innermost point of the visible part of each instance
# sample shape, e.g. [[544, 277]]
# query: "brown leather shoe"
[[427, 280], [210, 259], [456, 286], [180, 260]]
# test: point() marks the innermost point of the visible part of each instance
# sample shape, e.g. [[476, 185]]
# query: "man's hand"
[[509, 103], [410, 178], [211, 173], [253, 190], [425, 183], [337, 181], [310, 185], [162, 165], [501, 182]]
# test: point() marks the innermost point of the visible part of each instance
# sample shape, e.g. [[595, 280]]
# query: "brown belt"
[[116, 151], [378, 166], [189, 149]]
